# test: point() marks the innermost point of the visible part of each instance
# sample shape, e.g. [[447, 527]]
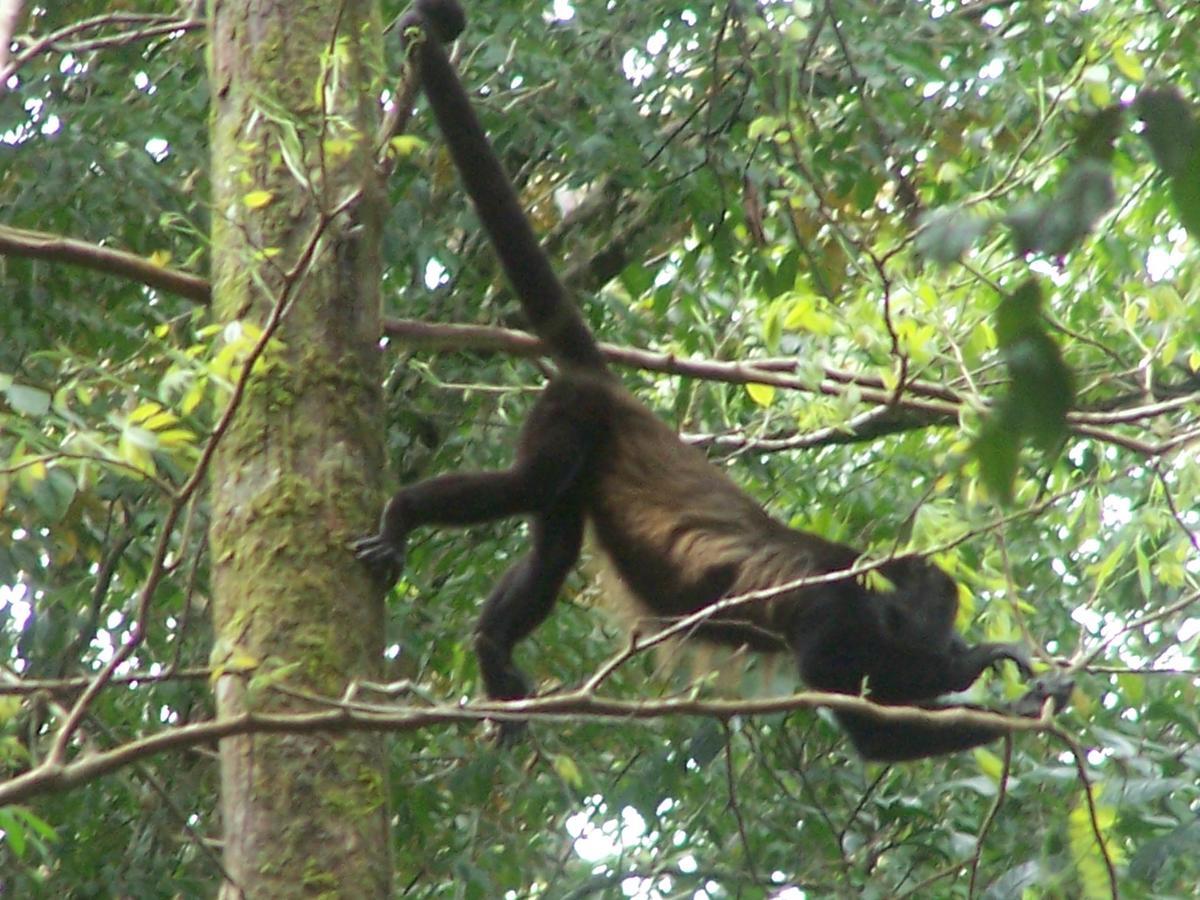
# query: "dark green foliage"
[[1035, 408]]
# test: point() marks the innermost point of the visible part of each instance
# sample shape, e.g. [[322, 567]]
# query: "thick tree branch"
[[57, 775], [54, 248], [923, 405]]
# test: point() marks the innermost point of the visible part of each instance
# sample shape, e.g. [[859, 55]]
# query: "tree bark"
[[296, 222]]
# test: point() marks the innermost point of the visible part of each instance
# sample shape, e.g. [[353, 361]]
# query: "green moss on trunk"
[[296, 476]]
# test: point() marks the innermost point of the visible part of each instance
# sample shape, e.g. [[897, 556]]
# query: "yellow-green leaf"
[[135, 446], [9, 707], [772, 326], [803, 314], [338, 148], [28, 476], [763, 126], [406, 145], [762, 394], [1145, 580], [144, 411], [175, 437], [241, 661], [567, 770], [257, 199], [1128, 66], [1085, 844], [1133, 688], [191, 399], [991, 765], [269, 677], [161, 421]]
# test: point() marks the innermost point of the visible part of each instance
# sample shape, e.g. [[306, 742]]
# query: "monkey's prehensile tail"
[[552, 314]]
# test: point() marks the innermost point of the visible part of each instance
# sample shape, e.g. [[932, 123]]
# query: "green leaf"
[[1054, 226], [1085, 847], [53, 494], [27, 400], [13, 831], [946, 234], [637, 279], [997, 451]]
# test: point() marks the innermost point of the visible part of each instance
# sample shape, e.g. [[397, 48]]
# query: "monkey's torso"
[[679, 534]]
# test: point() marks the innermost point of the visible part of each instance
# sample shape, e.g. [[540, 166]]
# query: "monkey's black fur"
[[678, 534]]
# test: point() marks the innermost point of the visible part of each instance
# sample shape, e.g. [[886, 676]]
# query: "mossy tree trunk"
[[296, 212]]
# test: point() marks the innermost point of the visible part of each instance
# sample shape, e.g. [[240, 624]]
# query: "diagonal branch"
[[139, 27], [10, 13]]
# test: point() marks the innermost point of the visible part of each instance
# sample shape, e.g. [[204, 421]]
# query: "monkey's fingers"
[[384, 560], [1053, 687], [1017, 654]]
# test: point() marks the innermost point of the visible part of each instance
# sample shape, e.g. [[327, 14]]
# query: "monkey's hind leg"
[[522, 600]]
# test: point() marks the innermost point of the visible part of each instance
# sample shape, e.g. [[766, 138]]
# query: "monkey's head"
[[924, 599]]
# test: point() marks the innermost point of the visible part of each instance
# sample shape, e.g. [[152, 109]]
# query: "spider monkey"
[[676, 531]]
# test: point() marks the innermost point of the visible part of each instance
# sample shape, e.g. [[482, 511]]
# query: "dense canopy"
[[920, 275]]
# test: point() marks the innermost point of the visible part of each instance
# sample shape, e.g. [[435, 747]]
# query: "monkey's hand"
[[1017, 654], [1053, 686], [383, 557]]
